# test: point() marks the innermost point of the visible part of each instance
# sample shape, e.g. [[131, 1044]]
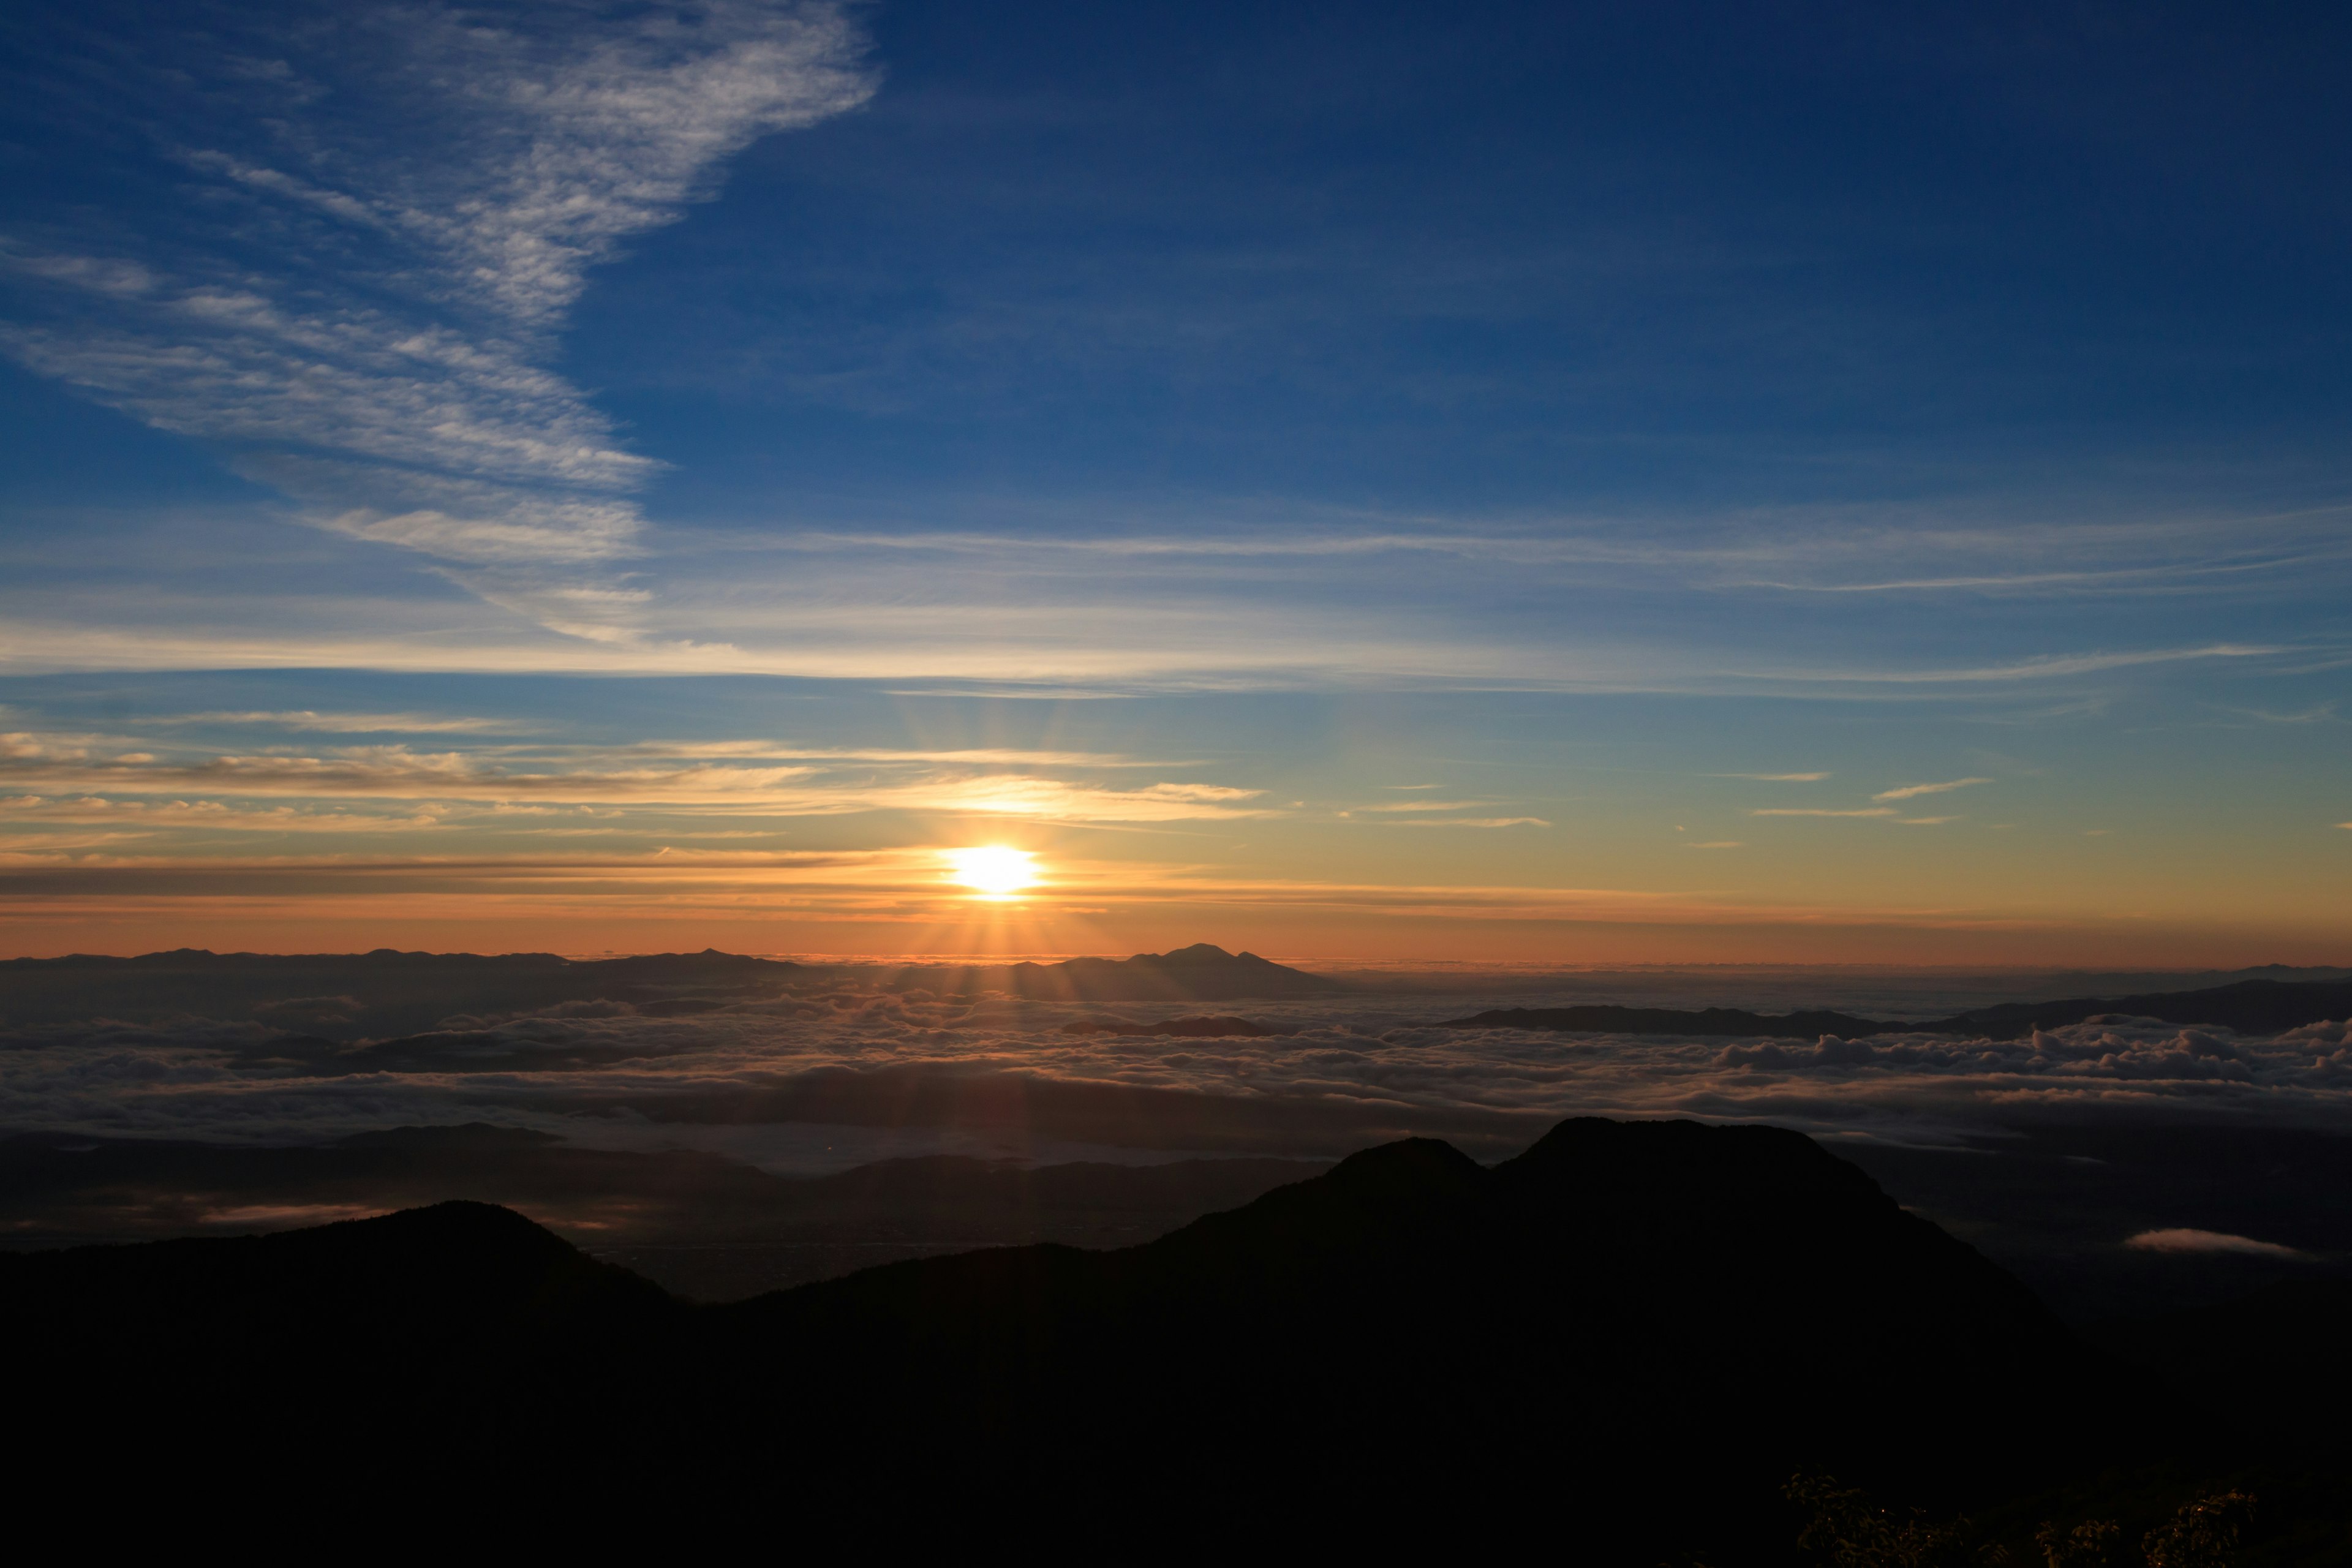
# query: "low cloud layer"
[[769, 1077], [2208, 1241]]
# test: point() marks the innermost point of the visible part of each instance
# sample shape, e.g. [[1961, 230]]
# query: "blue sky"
[[1173, 439]]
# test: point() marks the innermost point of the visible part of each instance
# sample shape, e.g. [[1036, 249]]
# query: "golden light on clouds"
[[993, 870]]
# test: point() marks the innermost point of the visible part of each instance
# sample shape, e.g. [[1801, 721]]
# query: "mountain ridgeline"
[[435, 1012], [1632, 1332], [386, 995], [2248, 1006]]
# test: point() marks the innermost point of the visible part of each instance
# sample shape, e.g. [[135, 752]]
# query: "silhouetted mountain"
[[1668, 1021], [1200, 973], [412, 1348], [708, 1226], [1631, 1332], [2249, 1006]]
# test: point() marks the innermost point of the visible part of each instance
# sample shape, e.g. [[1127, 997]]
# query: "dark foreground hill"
[[1631, 1332], [2249, 1006]]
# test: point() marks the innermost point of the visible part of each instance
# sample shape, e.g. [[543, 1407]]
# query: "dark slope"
[[2271, 1370], [426, 1340], [1631, 1333], [417, 1285], [2250, 1007], [2278, 1360]]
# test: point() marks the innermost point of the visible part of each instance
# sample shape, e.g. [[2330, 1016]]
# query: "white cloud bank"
[[2207, 1241], [1353, 1073]]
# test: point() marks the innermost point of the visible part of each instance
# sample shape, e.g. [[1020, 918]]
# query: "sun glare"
[[993, 871]]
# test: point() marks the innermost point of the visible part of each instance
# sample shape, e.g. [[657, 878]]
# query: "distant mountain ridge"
[[387, 993], [2249, 1006], [1201, 972], [426, 1011], [709, 960]]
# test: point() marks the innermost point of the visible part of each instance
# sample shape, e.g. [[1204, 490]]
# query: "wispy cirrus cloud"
[[209, 815], [1822, 811], [995, 756], [1395, 805], [355, 301], [356, 723], [1423, 813], [1801, 549], [2048, 667], [1910, 792], [728, 777]]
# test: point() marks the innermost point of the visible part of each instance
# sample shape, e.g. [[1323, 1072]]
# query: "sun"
[[993, 871]]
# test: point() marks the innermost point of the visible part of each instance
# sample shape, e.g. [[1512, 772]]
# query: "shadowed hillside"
[[1644, 1328]]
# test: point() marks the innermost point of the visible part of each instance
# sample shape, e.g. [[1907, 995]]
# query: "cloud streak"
[[356, 723], [1820, 811], [1912, 791], [731, 777], [2207, 1241]]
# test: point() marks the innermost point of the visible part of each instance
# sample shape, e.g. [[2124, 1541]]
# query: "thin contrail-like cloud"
[[1909, 792]]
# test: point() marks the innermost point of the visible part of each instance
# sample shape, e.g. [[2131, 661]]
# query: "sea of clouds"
[[832, 1079]]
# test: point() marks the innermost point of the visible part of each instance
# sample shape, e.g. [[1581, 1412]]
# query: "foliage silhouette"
[[1846, 1528], [2092, 1543], [2203, 1534]]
